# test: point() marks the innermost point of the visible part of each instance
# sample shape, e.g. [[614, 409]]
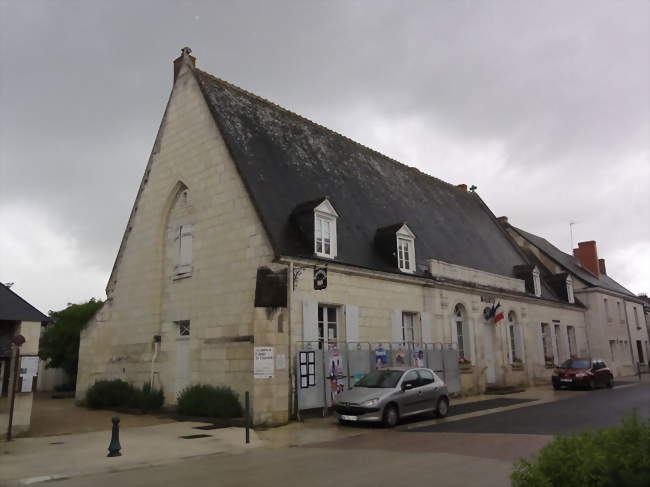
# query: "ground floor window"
[[557, 343], [408, 327], [571, 332], [639, 348], [327, 325], [461, 331], [546, 343]]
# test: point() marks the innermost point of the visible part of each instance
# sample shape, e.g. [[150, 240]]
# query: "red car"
[[583, 372]]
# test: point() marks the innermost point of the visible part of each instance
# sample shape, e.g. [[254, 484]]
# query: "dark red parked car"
[[583, 372]]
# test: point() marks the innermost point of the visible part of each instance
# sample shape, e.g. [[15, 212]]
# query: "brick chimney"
[[462, 186], [587, 253], [185, 57], [503, 220], [601, 266]]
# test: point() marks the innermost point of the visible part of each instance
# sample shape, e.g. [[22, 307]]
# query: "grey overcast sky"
[[543, 105]]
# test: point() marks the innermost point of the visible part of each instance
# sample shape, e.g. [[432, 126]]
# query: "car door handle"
[[419, 393]]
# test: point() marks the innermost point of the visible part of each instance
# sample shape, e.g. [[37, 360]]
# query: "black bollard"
[[247, 412], [115, 447]]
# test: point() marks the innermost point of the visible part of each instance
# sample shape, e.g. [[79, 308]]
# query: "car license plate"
[[566, 380], [348, 418]]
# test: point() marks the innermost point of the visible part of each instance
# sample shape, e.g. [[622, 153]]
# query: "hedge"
[[610, 457], [118, 394], [209, 402]]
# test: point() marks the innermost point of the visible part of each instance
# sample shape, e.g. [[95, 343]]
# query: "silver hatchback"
[[389, 394]]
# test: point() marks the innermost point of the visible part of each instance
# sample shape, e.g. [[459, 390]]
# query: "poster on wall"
[[400, 358], [307, 369], [263, 363], [28, 370], [381, 358], [418, 357], [336, 377]]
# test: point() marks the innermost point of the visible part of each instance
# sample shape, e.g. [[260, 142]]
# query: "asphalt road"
[[591, 409], [474, 451]]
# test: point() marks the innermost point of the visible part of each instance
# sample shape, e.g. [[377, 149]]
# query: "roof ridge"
[[316, 124]]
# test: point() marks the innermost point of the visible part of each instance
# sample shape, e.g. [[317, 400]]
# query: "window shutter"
[[508, 347], [454, 332], [520, 343], [425, 322], [309, 321], [396, 320], [540, 345], [185, 257], [351, 323]]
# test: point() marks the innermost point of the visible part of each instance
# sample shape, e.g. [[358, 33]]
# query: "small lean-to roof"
[[15, 308], [286, 160], [570, 263]]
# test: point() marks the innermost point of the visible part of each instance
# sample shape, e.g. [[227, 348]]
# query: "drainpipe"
[[292, 389], [156, 347]]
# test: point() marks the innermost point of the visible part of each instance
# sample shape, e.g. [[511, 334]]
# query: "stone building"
[[242, 202], [18, 318], [615, 321]]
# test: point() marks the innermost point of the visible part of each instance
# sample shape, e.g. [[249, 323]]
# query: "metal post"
[[14, 386], [114, 447], [247, 406]]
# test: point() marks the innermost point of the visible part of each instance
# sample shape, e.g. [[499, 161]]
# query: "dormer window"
[[405, 249], [569, 290], [537, 284], [325, 230]]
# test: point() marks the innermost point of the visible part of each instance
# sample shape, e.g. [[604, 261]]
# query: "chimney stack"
[[462, 186], [181, 60], [588, 256], [503, 220], [601, 266]]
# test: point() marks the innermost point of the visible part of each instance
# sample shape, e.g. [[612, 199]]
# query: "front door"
[[488, 349]]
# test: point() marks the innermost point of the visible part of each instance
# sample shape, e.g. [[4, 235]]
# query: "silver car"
[[392, 393]]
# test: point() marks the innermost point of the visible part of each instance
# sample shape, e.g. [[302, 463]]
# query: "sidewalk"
[[31, 460], [26, 461]]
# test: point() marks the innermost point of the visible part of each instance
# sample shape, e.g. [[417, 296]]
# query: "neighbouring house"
[[615, 319], [263, 248], [18, 317]]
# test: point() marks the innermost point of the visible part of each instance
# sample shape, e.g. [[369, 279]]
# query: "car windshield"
[[573, 363], [380, 379]]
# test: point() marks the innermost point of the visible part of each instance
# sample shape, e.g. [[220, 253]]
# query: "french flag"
[[495, 314]]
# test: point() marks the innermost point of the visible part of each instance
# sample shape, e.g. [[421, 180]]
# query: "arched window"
[[515, 340], [460, 332], [179, 233]]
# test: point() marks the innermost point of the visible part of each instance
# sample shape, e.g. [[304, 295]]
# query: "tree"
[[59, 344]]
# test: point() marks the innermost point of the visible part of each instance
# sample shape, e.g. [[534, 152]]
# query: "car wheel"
[[592, 384], [442, 408], [391, 416], [610, 383]]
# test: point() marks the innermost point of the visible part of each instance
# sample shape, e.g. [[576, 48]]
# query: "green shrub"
[[118, 394], [110, 394], [610, 457], [148, 399], [209, 402]]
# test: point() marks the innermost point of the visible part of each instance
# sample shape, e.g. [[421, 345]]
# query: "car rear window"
[[576, 364]]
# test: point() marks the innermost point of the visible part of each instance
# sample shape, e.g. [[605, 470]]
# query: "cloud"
[[543, 105]]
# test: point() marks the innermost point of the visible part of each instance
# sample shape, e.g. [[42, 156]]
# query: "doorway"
[[488, 350]]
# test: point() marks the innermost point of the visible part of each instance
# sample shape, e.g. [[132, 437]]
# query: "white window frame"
[[325, 216], [636, 318], [569, 290], [571, 338], [547, 342], [184, 255], [409, 334], [183, 328], [323, 325], [461, 335], [405, 247], [537, 283]]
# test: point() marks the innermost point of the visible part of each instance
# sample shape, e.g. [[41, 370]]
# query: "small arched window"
[[460, 332]]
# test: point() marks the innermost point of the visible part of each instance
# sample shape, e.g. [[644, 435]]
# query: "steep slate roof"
[[572, 264], [15, 308], [286, 160]]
